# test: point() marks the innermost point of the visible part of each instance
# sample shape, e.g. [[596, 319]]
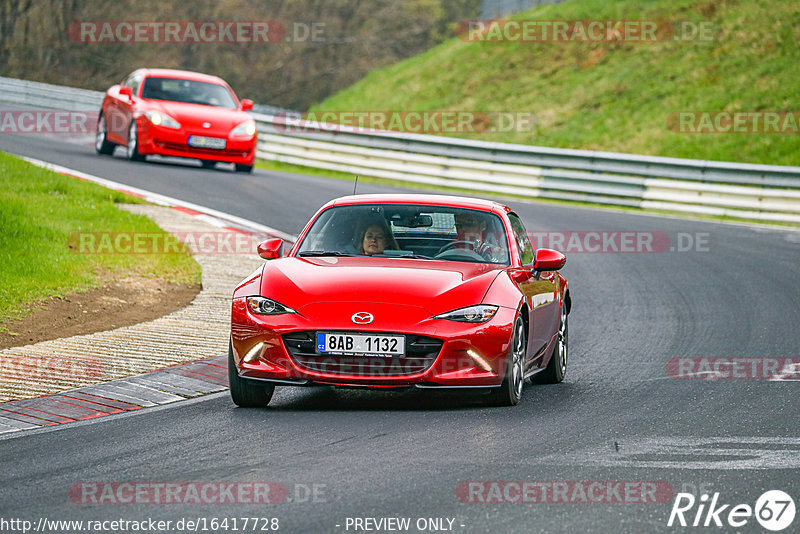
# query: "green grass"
[[40, 210], [614, 96]]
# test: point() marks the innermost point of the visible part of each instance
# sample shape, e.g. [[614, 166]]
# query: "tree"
[[10, 13]]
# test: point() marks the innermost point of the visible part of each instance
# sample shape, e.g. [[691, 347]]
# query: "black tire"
[[208, 164], [510, 391], [132, 149], [244, 168], [101, 144], [557, 367], [244, 393]]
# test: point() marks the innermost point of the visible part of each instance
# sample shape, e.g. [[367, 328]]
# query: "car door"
[[540, 292], [123, 107]]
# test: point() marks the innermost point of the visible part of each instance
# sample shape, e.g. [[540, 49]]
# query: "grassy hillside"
[[615, 96]]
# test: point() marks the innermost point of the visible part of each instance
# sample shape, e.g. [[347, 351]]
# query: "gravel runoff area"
[[198, 331]]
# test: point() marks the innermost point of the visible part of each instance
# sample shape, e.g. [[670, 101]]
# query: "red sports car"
[[403, 291], [177, 113]]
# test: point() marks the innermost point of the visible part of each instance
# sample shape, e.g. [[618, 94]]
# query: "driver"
[[471, 232], [470, 227]]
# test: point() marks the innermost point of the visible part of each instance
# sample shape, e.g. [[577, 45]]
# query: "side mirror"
[[126, 91], [548, 260], [271, 249], [247, 104]]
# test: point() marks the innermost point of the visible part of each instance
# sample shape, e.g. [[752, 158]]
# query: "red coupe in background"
[[403, 291], [177, 113]]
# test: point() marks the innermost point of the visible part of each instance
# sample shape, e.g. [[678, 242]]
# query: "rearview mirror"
[[247, 104], [126, 91], [271, 249], [548, 260], [420, 221]]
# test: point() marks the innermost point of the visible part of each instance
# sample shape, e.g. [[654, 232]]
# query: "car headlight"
[[265, 306], [470, 314], [161, 119], [247, 128]]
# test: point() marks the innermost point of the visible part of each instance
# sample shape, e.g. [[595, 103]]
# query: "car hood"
[[436, 286], [193, 116]]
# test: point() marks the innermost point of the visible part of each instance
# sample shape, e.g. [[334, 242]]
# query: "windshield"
[[402, 231], [192, 92]]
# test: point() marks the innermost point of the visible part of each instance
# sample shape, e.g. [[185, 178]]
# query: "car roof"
[[183, 74], [434, 200]]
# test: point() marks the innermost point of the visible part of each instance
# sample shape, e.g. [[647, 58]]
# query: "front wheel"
[[510, 391], [133, 143], [101, 143], [243, 392]]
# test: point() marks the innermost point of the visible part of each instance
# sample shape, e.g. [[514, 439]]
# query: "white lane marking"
[[213, 221], [715, 453], [164, 200]]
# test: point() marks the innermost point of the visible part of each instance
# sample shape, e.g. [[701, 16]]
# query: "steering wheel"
[[484, 251], [449, 251], [455, 244]]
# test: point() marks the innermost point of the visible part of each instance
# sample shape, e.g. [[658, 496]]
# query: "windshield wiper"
[[306, 253]]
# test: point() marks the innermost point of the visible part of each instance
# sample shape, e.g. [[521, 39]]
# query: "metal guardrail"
[[757, 192], [48, 96], [500, 8], [764, 192]]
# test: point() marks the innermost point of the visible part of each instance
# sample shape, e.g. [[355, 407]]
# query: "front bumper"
[[162, 141], [268, 344]]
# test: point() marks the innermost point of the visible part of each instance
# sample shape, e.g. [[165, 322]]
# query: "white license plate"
[[206, 142], [357, 344]]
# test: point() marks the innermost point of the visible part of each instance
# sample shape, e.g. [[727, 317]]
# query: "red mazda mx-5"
[[421, 291], [177, 113]]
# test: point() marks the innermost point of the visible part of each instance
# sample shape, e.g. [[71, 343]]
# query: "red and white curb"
[[164, 386], [180, 382], [216, 218]]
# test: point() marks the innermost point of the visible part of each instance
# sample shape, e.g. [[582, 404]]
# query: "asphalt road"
[[618, 416]]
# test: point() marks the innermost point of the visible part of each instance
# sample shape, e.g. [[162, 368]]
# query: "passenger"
[[374, 236]]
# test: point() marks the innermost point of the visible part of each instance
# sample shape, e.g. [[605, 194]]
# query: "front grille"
[[421, 352], [178, 147]]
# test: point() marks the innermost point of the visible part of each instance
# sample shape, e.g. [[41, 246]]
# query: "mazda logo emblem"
[[206, 125], [362, 318]]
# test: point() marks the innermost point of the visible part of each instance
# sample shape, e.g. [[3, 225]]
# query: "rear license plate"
[[358, 345], [206, 142]]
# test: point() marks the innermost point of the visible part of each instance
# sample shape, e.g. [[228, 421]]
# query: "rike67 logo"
[[774, 510]]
